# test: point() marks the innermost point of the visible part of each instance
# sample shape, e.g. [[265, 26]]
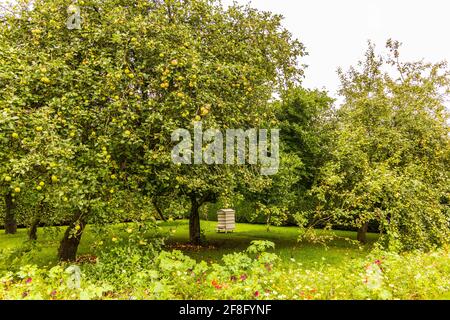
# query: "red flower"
[[29, 280], [243, 277], [216, 285], [256, 294], [378, 262]]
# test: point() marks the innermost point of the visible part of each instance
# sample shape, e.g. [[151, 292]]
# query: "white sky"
[[335, 33]]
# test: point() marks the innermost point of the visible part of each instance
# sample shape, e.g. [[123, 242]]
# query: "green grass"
[[285, 239], [286, 242]]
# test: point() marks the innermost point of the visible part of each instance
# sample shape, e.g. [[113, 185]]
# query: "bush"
[[252, 274], [30, 282]]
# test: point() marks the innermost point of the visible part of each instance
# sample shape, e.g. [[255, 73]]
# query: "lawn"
[[286, 242], [338, 269]]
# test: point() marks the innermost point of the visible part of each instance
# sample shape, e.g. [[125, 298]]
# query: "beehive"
[[225, 220]]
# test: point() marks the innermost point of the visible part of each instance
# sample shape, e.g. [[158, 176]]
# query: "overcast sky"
[[335, 33]]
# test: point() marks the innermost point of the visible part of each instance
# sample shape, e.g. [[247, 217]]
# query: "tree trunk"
[[158, 210], [69, 244], [268, 221], [194, 223], [362, 233], [32, 232], [10, 219]]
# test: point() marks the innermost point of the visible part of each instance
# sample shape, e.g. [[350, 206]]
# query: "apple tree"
[[80, 85], [390, 159], [114, 85], [218, 67]]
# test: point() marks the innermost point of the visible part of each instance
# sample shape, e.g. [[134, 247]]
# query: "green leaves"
[[391, 152]]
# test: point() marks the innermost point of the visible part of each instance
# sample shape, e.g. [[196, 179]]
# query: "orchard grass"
[[333, 252], [241, 265]]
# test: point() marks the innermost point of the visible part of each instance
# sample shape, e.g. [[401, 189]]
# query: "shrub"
[[252, 274]]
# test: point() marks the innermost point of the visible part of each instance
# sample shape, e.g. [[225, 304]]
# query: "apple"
[[45, 80], [204, 111], [8, 178], [17, 190], [14, 135]]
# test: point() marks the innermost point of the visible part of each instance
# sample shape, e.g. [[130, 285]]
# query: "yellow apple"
[[204, 111], [45, 80]]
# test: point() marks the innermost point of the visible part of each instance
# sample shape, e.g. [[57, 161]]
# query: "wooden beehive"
[[225, 220]]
